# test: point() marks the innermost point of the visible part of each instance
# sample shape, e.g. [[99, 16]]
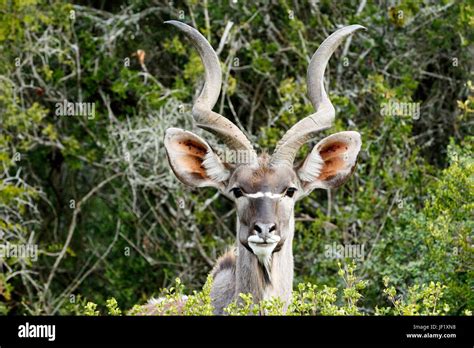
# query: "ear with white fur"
[[193, 161], [331, 162]]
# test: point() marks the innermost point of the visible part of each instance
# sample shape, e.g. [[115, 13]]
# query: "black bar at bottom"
[[427, 331]]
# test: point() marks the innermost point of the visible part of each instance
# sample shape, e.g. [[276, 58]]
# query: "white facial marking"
[[273, 238], [263, 251], [270, 195]]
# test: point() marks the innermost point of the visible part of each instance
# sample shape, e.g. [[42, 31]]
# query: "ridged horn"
[[307, 128], [205, 118]]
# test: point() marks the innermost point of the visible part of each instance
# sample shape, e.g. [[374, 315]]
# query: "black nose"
[[264, 230]]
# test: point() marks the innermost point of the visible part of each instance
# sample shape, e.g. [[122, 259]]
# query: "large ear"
[[331, 162], [193, 161]]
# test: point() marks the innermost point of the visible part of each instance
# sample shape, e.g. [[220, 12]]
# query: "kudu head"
[[263, 188]]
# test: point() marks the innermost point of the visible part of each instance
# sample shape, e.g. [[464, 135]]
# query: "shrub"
[[307, 299]]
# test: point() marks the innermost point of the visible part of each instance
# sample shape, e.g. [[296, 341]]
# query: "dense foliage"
[[112, 224], [307, 299]]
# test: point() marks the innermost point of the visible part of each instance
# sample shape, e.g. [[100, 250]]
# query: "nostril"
[[264, 229]]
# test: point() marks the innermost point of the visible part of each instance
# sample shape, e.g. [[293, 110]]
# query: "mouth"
[[258, 241], [263, 248]]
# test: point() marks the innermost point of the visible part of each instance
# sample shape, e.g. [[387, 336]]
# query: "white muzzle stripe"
[[270, 195]]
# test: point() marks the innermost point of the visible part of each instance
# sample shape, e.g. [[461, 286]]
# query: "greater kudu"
[[264, 188]]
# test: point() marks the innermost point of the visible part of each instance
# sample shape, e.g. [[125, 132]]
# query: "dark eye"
[[237, 192], [290, 191]]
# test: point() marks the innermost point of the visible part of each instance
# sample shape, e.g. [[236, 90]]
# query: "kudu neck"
[[250, 276]]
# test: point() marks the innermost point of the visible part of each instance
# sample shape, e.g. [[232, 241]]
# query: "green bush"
[[307, 299]]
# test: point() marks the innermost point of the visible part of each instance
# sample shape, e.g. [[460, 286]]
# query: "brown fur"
[[263, 178], [225, 262], [193, 156], [331, 168], [224, 280], [333, 161]]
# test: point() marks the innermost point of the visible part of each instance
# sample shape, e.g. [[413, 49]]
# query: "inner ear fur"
[[193, 161], [332, 161]]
